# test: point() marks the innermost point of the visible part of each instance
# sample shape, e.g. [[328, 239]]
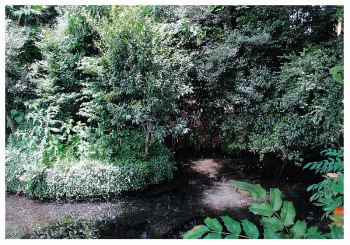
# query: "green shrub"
[[329, 193], [25, 173], [50, 160], [160, 169], [82, 178]]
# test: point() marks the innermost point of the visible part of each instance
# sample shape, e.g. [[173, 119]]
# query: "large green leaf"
[[336, 76], [288, 213], [313, 233], [298, 230], [196, 232], [232, 237], [256, 191], [272, 222], [337, 232], [338, 187], [213, 236], [213, 224], [232, 225], [275, 199], [312, 230], [263, 209], [319, 235], [250, 229], [270, 233]]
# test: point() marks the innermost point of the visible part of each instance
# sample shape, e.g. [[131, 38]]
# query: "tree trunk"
[[281, 171], [37, 19], [12, 126], [232, 22], [9, 118], [278, 172], [148, 130], [19, 19], [147, 142]]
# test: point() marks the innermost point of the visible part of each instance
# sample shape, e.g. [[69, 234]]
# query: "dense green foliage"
[[329, 193], [278, 221], [49, 161], [106, 91]]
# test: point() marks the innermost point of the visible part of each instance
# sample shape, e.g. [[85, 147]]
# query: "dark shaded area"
[[169, 210]]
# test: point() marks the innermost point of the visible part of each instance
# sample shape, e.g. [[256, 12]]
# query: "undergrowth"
[[55, 159]]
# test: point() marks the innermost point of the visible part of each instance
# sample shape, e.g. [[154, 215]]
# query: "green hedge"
[[26, 174]]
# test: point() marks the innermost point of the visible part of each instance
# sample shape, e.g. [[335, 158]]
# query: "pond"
[[202, 187]]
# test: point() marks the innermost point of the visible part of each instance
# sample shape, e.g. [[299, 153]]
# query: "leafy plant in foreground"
[[278, 221], [329, 193]]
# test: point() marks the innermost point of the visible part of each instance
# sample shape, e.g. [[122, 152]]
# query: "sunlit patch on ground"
[[222, 195], [208, 167]]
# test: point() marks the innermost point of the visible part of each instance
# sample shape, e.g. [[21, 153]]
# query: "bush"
[[53, 161], [289, 113], [24, 174]]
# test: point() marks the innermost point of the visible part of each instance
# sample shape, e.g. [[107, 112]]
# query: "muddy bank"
[[202, 187]]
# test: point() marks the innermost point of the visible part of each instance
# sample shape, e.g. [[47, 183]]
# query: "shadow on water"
[[201, 187]]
